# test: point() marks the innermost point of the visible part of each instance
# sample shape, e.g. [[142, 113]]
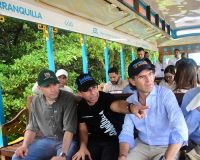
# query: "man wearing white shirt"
[[176, 57], [160, 66]]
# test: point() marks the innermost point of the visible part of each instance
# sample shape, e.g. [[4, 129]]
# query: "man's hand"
[[81, 154], [21, 151], [58, 158], [138, 110]]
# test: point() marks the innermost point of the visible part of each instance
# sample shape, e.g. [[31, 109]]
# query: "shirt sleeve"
[[192, 120], [127, 133], [79, 113], [32, 125], [70, 115], [186, 100], [179, 130]]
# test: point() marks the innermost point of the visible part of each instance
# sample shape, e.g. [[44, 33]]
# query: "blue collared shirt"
[[128, 89], [163, 124], [192, 117]]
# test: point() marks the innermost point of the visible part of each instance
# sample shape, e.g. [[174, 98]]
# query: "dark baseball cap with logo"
[[47, 77], [138, 66], [84, 82]]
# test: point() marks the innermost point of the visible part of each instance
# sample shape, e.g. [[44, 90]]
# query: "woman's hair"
[[186, 76], [170, 69]]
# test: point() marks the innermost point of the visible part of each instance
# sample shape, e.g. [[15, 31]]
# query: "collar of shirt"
[[134, 97]]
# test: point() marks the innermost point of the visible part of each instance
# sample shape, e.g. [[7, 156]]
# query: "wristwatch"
[[62, 154], [129, 107]]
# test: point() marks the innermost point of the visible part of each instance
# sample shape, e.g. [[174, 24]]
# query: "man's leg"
[[94, 149], [73, 148], [110, 150], [40, 149], [158, 151], [139, 152]]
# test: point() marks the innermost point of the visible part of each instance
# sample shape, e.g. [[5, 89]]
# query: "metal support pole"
[[122, 61], [84, 54], [3, 139], [106, 57], [154, 58], [133, 55], [50, 49]]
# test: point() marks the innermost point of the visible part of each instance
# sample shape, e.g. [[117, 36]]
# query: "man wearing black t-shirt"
[[99, 124]]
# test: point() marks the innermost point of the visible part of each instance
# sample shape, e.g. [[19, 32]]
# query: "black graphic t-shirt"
[[102, 123]]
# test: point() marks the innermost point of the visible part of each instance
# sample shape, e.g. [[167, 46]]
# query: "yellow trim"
[[16, 141]]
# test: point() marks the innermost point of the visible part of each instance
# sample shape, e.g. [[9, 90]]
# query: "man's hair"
[[113, 70], [176, 50], [140, 49]]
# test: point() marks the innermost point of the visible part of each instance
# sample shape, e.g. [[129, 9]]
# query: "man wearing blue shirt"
[[192, 118], [162, 131]]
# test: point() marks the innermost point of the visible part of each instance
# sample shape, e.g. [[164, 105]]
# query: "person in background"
[[192, 116], [160, 66], [162, 130], [186, 76], [129, 88], [147, 55], [52, 123], [168, 80], [176, 57], [140, 53], [62, 76], [184, 56], [115, 85]]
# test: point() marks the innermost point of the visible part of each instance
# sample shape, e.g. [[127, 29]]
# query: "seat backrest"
[[28, 104], [122, 96], [18, 124]]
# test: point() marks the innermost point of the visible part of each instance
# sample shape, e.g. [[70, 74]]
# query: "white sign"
[[37, 13]]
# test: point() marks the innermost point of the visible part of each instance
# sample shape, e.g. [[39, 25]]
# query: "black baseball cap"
[[84, 82], [47, 77], [138, 66]]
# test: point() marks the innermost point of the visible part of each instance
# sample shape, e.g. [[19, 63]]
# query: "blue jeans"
[[46, 148]]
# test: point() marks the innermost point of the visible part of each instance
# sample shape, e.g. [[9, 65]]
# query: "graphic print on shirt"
[[107, 125]]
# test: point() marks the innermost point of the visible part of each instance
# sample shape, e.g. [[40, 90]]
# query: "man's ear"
[[132, 81], [79, 94]]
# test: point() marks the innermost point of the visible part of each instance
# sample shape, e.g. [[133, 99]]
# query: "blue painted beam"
[[3, 139], [49, 42], [84, 54], [106, 58], [122, 62], [154, 58], [133, 55]]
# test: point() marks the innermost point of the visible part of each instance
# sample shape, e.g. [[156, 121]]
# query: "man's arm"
[[123, 150], [172, 151], [179, 131], [122, 106], [29, 136], [83, 151], [67, 139]]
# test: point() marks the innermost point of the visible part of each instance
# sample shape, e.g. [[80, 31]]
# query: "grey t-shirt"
[[53, 120]]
